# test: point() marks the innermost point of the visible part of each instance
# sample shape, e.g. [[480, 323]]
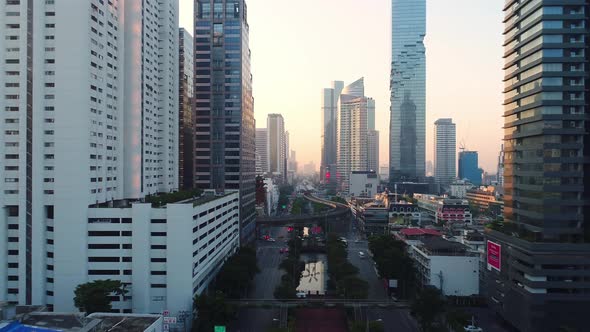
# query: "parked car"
[[301, 295], [270, 239]]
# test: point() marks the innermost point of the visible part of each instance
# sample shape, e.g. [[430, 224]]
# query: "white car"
[[301, 295], [271, 240]]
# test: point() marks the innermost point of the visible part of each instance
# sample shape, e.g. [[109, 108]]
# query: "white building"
[[445, 151], [261, 151], [353, 142], [166, 255], [363, 184], [446, 265], [272, 196], [89, 115], [459, 188], [277, 145]]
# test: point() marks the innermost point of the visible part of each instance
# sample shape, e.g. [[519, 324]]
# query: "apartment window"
[[103, 259], [104, 246], [103, 272]]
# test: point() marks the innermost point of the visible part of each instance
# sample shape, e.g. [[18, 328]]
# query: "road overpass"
[[336, 219]]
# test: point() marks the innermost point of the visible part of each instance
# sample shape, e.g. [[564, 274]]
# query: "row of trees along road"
[[293, 267], [393, 262], [343, 276]]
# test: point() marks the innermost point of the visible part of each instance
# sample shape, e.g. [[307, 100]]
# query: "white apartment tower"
[[88, 116], [261, 151], [445, 151], [277, 145], [353, 147]]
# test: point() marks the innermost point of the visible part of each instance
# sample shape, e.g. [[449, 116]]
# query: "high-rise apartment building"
[[407, 136], [89, 117], [330, 97], [373, 150], [469, 167], [186, 137], [500, 173], [224, 107], [277, 146], [445, 151], [261, 151], [538, 261], [352, 132]]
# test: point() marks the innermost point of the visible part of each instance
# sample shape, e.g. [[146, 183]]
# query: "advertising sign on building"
[[494, 256]]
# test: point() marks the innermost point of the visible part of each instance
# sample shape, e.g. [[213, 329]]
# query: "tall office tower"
[[373, 150], [89, 116], [261, 151], [407, 130], [287, 149], [329, 158], [225, 156], [277, 146], [469, 167], [445, 151], [292, 165], [500, 173], [186, 137], [373, 139], [352, 132], [538, 278]]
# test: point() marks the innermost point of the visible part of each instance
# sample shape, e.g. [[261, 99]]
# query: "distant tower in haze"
[[445, 151], [329, 140], [277, 146]]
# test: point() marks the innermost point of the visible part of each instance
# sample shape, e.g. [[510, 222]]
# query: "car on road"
[[361, 255], [270, 239], [301, 295]]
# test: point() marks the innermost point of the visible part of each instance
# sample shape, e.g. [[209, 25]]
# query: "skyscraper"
[[186, 138], [469, 167], [352, 132], [407, 131], [89, 117], [500, 173], [261, 151], [277, 146], [445, 151], [329, 140], [224, 106], [373, 150], [538, 261]]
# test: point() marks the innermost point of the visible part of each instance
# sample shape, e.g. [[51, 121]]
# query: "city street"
[[394, 320]]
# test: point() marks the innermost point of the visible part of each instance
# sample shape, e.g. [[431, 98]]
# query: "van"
[[361, 254]]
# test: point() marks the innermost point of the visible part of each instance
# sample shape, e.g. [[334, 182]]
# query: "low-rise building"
[[363, 184], [163, 254], [413, 236], [77, 322], [445, 211], [446, 265], [484, 198], [373, 218], [459, 188], [403, 213]]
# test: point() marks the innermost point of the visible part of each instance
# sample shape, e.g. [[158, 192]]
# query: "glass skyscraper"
[[469, 167], [407, 132], [224, 107], [539, 258]]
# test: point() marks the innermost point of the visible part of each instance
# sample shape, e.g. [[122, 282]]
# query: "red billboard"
[[494, 256]]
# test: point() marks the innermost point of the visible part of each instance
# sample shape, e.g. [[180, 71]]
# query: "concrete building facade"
[[79, 129]]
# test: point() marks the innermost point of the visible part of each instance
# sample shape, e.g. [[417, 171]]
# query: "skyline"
[[479, 54]]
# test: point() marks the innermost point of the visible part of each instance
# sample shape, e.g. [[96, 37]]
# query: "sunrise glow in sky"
[[299, 47]]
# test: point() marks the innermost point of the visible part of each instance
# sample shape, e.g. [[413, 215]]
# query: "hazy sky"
[[299, 47]]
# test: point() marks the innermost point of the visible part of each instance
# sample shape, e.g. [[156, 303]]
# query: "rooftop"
[[420, 231], [438, 246], [72, 322]]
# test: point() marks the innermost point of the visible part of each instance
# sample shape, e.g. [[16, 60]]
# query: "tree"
[[95, 296], [212, 310], [428, 306], [237, 273], [393, 262]]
